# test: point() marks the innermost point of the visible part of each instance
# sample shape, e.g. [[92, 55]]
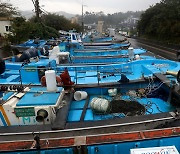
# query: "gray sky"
[[75, 6]]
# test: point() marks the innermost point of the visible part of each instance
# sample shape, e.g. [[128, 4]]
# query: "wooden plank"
[[84, 109]]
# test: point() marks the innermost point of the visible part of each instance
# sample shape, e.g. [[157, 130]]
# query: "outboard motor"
[[2, 66]]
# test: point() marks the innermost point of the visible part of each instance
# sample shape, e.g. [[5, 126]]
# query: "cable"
[[159, 85]]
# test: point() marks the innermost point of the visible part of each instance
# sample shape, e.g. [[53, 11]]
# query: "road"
[[154, 50]]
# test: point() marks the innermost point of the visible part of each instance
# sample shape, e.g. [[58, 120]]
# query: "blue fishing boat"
[[106, 45], [107, 56], [96, 107], [90, 39], [77, 52], [65, 54], [132, 113], [36, 43], [86, 74], [74, 40]]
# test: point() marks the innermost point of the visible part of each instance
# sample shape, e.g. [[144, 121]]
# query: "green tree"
[[23, 30], [161, 21], [109, 19], [7, 10], [59, 22]]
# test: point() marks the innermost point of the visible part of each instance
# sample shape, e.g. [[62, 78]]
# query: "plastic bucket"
[[80, 95], [131, 53], [51, 80]]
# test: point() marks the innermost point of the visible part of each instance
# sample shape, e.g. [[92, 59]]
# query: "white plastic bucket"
[[51, 80], [80, 95], [99, 104], [131, 53]]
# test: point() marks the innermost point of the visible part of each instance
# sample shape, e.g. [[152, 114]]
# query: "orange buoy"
[[66, 79], [43, 81], [58, 80]]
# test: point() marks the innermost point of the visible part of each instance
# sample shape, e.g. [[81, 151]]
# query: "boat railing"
[[85, 74], [100, 72]]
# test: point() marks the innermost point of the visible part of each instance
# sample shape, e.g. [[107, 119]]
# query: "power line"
[[44, 11]]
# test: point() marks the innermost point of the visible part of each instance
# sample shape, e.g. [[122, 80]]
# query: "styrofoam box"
[[155, 150]]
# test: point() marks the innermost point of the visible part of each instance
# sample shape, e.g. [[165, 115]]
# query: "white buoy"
[[137, 57], [112, 92], [99, 104], [80, 95], [51, 80]]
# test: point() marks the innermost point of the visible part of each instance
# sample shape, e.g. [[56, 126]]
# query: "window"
[[8, 28], [73, 37]]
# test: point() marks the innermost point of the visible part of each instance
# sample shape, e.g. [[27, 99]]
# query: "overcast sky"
[[75, 6]]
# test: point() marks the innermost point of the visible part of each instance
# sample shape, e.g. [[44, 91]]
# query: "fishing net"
[[129, 108]]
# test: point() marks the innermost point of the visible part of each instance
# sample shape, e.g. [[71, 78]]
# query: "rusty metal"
[[112, 138], [27, 145], [91, 140]]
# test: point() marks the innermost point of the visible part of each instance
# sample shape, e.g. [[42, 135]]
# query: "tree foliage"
[[109, 19], [161, 21], [23, 30], [7, 10], [59, 22], [47, 28]]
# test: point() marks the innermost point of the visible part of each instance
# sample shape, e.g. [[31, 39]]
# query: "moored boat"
[[131, 113], [89, 108]]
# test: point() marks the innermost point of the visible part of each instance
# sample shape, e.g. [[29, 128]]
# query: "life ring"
[[43, 81]]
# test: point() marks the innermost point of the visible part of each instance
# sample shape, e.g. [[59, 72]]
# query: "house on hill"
[[5, 26]]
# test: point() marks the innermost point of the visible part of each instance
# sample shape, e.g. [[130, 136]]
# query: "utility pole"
[[37, 9], [83, 17], [82, 20]]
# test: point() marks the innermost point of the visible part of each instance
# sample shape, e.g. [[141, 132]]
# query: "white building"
[[111, 31], [5, 26]]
